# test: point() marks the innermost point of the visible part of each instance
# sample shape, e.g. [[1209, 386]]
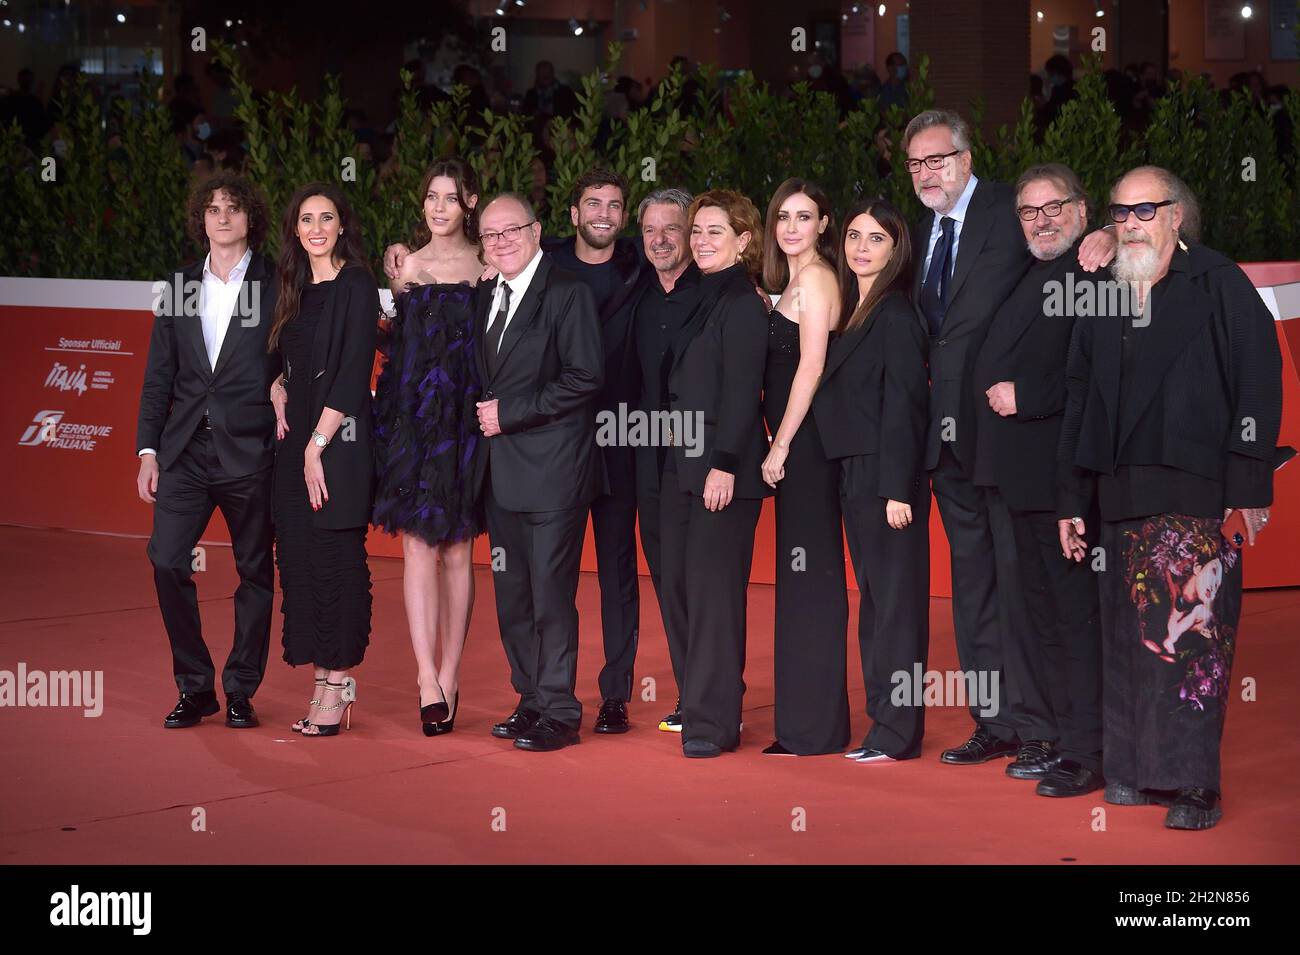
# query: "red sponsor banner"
[[74, 363]]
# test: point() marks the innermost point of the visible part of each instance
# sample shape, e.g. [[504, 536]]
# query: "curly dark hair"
[[244, 193]]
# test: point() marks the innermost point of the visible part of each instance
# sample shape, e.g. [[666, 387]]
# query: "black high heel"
[[447, 725], [347, 696], [433, 712], [306, 720]]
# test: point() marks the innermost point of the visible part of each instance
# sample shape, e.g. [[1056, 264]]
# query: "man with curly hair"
[[206, 440]]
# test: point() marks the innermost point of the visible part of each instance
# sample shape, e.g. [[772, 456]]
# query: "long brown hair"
[[897, 273], [776, 270], [466, 186], [293, 270]]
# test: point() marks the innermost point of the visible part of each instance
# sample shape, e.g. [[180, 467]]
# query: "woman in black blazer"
[[713, 486], [871, 411], [325, 326]]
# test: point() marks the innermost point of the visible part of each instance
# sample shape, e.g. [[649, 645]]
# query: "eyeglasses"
[[1146, 211], [1049, 209], [508, 235], [934, 162]]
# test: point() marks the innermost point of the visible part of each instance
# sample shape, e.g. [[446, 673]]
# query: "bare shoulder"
[[820, 278]]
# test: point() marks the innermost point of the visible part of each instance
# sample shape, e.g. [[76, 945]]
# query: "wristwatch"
[[321, 441]]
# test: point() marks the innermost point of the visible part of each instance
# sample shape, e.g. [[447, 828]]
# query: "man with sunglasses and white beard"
[[1171, 420]]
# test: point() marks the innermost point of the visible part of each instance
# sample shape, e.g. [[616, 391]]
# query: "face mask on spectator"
[[203, 131]]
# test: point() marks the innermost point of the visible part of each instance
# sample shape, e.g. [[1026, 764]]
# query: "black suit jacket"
[[342, 363], [1028, 343], [873, 397], [991, 258], [718, 362], [615, 315], [1202, 393], [180, 385], [549, 372]]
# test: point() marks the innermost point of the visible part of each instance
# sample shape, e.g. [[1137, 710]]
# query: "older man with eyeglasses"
[[1019, 382], [538, 346], [1171, 423], [970, 255]]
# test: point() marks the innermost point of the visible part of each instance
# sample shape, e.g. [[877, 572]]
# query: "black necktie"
[[497, 328], [934, 293]]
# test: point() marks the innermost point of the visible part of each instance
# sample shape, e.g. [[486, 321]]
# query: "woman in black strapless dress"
[[426, 435], [325, 327], [812, 705]]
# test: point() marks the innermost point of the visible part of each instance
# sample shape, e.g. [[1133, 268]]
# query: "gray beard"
[[1137, 266]]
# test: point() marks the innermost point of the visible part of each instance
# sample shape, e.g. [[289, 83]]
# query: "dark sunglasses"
[[1146, 211], [1049, 209]]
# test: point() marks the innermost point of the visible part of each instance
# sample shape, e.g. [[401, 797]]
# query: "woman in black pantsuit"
[[325, 326], [712, 486], [812, 604], [871, 412]]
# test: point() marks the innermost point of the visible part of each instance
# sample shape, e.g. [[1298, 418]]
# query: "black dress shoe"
[[1068, 778], [612, 717], [239, 711], [190, 710], [1033, 760], [980, 748], [776, 749], [1194, 808], [547, 735], [1122, 794], [515, 725], [700, 749]]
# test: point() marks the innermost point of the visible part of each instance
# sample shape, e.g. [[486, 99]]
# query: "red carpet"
[[120, 789]]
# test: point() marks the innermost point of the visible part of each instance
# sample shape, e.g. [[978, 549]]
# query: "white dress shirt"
[[958, 215], [518, 287], [216, 305]]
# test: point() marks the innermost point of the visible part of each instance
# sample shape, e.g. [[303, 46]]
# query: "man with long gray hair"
[[1171, 424]]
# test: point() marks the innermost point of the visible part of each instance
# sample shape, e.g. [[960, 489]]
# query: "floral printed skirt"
[[1170, 603]]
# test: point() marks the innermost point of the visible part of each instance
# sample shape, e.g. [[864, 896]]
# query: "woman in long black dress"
[[426, 432], [812, 608], [871, 412], [325, 326]]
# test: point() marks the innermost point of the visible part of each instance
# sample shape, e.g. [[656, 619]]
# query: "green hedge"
[[120, 214]]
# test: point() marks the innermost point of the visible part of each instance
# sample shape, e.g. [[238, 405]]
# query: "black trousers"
[[1063, 604], [974, 561], [892, 568], [536, 557], [1025, 682], [649, 523], [613, 524], [188, 492], [706, 557]]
